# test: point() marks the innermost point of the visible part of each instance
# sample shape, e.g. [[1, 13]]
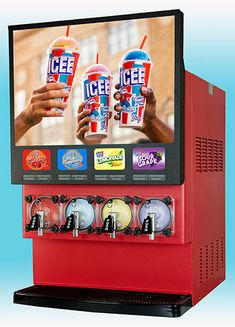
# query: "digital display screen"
[[95, 95]]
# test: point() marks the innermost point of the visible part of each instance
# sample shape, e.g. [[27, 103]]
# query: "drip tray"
[[110, 301]]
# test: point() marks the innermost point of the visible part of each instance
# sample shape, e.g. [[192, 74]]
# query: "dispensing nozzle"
[[76, 223], [153, 226], [114, 218], [41, 215]]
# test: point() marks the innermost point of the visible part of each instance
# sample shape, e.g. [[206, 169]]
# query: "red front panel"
[[113, 265]]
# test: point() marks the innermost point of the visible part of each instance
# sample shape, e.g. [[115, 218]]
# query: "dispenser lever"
[[34, 223], [110, 225], [69, 224], [149, 226]]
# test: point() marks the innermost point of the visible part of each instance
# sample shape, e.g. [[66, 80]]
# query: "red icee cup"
[[96, 86], [63, 58], [135, 68]]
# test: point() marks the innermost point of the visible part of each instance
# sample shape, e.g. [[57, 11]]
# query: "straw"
[[97, 58], [67, 30], [143, 42]]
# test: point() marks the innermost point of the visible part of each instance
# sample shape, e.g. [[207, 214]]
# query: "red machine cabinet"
[[187, 265]]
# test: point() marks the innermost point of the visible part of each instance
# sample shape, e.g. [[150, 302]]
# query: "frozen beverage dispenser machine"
[[121, 154]]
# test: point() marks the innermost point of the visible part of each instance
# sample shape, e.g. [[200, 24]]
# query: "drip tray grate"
[[110, 301]]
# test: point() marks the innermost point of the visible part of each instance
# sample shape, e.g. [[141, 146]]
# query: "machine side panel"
[[205, 182], [116, 265]]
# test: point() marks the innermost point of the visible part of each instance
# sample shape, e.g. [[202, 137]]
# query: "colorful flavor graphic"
[[36, 159], [72, 159], [109, 159], [148, 158]]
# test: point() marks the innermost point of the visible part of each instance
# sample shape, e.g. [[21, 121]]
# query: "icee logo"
[[100, 87], [132, 76], [61, 65]]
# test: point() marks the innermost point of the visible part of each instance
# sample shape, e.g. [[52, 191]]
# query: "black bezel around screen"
[[174, 169]]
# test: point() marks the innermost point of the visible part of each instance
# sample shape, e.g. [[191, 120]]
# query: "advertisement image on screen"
[[98, 100], [96, 83]]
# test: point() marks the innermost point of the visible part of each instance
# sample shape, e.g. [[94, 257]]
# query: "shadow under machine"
[[145, 235]]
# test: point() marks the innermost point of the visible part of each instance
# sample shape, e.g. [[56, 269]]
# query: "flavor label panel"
[[109, 159], [72, 159], [36, 159], [148, 158]]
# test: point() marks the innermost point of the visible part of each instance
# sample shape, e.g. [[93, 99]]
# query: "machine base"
[[109, 301]]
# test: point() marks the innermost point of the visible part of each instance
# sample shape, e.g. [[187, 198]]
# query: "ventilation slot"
[[211, 260], [209, 154]]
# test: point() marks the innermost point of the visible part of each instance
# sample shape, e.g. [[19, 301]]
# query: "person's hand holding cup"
[[83, 120], [150, 108]]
